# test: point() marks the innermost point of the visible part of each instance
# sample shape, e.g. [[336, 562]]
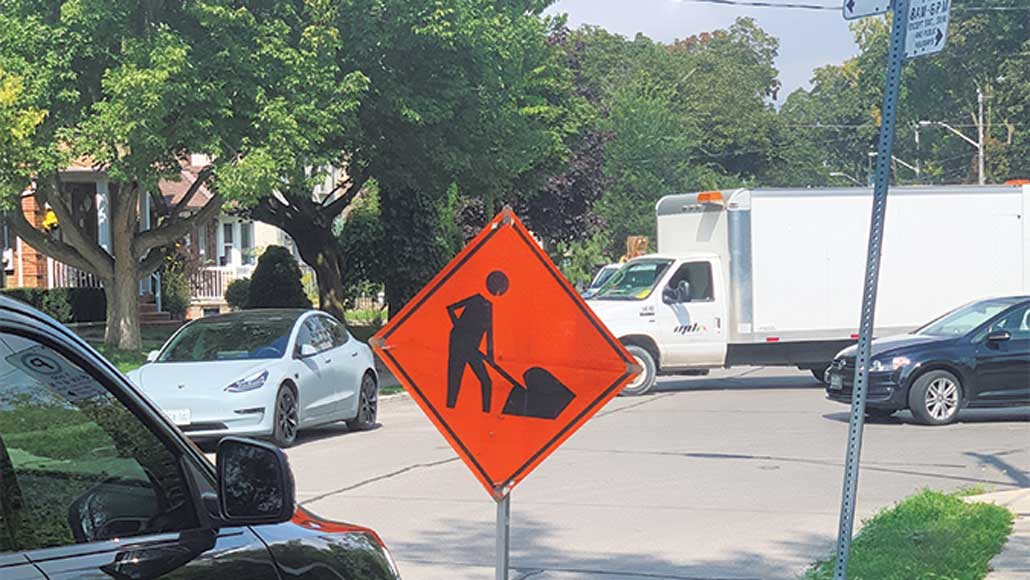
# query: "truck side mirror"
[[670, 295]]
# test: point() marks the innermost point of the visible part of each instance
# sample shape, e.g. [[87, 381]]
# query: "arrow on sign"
[[940, 36], [851, 6]]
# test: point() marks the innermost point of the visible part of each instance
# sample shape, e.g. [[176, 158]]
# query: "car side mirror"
[[255, 484], [999, 336], [307, 350], [152, 355]]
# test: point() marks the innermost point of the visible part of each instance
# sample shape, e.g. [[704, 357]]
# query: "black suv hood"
[[895, 343]]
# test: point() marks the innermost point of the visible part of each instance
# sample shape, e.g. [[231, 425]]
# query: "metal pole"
[[980, 132], [895, 59], [503, 536]]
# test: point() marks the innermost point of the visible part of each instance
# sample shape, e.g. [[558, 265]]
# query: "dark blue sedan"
[[975, 356]]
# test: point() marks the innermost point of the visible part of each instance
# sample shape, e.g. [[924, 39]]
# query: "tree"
[[687, 116], [130, 89], [459, 93]]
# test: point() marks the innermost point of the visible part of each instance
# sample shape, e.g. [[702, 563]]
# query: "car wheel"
[[284, 427], [935, 398], [368, 406], [643, 382]]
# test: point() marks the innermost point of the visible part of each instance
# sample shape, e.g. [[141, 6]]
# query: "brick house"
[[227, 245]]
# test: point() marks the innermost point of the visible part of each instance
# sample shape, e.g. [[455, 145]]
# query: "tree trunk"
[[123, 330], [320, 250], [122, 288]]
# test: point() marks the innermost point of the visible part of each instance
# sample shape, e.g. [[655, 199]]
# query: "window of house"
[[77, 465], [247, 243], [227, 245], [202, 242]]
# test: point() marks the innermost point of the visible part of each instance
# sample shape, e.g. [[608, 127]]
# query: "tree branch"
[[357, 183], [200, 180], [89, 249], [155, 258], [46, 244], [170, 231]]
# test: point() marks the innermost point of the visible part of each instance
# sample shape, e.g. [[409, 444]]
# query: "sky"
[[808, 38]]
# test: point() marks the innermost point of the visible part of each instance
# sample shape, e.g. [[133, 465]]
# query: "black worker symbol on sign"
[[540, 395]]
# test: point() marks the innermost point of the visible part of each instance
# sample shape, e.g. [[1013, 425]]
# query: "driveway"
[[736, 475]]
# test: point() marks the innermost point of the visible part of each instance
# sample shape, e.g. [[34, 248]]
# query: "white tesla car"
[[262, 373]]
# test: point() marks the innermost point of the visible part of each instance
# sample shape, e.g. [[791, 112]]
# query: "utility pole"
[[980, 129], [979, 143]]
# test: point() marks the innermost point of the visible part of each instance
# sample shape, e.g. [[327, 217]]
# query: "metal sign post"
[[503, 536], [895, 59]]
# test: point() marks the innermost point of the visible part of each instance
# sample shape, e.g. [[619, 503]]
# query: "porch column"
[[103, 216]]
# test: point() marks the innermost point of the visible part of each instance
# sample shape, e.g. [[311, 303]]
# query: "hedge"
[[64, 304]]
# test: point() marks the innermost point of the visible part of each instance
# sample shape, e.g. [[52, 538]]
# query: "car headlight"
[[248, 384], [893, 364]]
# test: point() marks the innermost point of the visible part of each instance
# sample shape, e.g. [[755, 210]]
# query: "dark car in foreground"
[[975, 356], [95, 482]]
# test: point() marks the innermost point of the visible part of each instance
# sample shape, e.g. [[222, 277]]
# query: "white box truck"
[[775, 277]]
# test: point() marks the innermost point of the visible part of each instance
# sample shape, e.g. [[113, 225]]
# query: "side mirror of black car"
[[255, 483], [999, 336]]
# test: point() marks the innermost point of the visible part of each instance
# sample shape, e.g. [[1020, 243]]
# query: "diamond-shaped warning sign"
[[503, 355]]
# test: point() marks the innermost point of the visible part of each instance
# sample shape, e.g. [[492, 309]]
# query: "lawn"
[[928, 535]]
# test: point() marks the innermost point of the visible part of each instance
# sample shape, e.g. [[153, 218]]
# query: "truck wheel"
[[646, 379], [935, 398]]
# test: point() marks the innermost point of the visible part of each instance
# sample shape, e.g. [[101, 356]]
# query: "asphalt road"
[[737, 475]]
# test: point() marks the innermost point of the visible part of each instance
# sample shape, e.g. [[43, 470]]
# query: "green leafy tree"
[[442, 92], [276, 281], [130, 88], [237, 293]]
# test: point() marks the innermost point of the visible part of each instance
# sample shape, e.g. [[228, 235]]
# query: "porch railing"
[[210, 283], [61, 275]]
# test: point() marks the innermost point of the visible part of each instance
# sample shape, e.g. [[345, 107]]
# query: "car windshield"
[[603, 276], [635, 281], [230, 339], [963, 320]]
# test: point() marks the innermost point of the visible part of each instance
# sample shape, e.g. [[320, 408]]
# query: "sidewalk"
[[1014, 560]]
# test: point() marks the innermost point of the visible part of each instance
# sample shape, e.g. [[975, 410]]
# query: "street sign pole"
[[895, 59], [503, 536]]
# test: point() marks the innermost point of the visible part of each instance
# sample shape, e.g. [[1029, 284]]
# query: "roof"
[[173, 190]]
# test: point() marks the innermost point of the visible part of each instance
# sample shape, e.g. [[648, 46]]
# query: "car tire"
[[820, 373], [368, 405], [645, 381], [935, 398], [879, 414], [286, 420]]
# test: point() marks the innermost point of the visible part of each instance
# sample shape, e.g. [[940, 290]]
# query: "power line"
[[836, 7]]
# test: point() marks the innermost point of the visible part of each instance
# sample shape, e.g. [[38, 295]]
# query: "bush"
[[237, 294], [64, 304], [276, 281], [176, 281]]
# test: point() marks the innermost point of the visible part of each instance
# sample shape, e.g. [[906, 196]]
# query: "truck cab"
[[669, 311]]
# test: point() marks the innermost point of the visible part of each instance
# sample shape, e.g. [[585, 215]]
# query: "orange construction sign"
[[503, 355]]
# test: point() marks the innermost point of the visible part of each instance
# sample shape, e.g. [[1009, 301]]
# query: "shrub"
[[176, 281], [237, 294], [64, 304], [276, 281]]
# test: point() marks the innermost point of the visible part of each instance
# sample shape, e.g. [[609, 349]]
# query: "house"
[[227, 246]]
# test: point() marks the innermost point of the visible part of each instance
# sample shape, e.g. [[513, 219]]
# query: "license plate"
[[836, 382], [180, 416]]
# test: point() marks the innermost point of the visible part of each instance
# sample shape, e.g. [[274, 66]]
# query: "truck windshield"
[[635, 281], [963, 320]]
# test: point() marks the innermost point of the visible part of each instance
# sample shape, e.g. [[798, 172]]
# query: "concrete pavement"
[[1014, 560], [732, 476]]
